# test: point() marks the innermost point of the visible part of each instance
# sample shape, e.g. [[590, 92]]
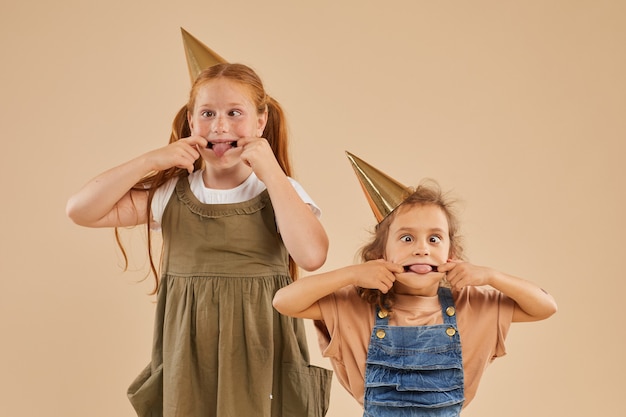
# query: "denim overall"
[[415, 370]]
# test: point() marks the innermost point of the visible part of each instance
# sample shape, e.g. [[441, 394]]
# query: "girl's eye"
[[406, 238], [206, 113], [435, 239], [234, 113]]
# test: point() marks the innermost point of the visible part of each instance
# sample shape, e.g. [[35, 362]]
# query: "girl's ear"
[[190, 122], [261, 123]]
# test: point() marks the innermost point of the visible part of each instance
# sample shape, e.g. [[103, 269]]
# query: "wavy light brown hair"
[[275, 132], [426, 193]]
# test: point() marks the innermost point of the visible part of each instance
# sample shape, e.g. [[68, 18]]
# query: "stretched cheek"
[[243, 128], [200, 129]]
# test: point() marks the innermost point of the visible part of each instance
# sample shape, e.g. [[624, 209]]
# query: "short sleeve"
[[306, 197], [160, 199]]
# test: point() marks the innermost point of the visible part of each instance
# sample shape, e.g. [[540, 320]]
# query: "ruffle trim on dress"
[[212, 211]]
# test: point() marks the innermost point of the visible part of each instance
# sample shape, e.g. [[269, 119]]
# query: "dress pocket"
[[306, 390], [146, 392]]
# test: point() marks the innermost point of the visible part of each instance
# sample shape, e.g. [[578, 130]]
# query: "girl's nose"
[[220, 125], [420, 249]]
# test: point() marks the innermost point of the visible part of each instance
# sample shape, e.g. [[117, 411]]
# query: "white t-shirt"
[[245, 191]]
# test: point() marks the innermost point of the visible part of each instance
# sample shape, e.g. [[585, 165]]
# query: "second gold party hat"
[[382, 192], [199, 56]]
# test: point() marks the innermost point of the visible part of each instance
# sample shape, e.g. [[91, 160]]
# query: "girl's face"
[[418, 239], [223, 113]]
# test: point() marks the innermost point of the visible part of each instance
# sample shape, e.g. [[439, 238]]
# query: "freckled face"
[[223, 113], [418, 237]]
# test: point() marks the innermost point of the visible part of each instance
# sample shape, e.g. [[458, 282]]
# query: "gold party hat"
[[199, 56], [382, 192]]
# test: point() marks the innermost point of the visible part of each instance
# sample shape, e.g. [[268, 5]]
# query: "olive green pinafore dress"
[[220, 349]]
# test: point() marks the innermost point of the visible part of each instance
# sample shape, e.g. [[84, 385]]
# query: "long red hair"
[[275, 132]]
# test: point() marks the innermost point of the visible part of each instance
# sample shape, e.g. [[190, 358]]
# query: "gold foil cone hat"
[[199, 56], [382, 192]]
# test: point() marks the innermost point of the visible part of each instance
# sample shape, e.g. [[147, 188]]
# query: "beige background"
[[518, 107]]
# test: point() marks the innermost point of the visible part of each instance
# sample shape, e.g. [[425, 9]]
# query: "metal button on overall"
[[405, 363]]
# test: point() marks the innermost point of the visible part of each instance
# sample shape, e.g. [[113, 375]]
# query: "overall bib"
[[415, 370]]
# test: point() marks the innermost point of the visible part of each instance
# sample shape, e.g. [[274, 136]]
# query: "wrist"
[[350, 276], [144, 164], [494, 278]]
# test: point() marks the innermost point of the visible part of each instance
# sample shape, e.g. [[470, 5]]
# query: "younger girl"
[[400, 342], [231, 218]]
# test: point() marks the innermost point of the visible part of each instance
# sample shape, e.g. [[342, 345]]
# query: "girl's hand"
[[463, 274], [109, 199], [258, 155], [378, 274], [301, 231], [180, 154], [532, 303], [299, 299]]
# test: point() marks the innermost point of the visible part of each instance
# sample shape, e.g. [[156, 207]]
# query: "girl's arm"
[[302, 232], [533, 302], [299, 299], [109, 201]]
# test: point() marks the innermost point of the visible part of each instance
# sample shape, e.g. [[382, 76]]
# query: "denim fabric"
[[415, 370]]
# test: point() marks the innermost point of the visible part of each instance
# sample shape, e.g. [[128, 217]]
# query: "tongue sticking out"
[[420, 268], [221, 148]]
